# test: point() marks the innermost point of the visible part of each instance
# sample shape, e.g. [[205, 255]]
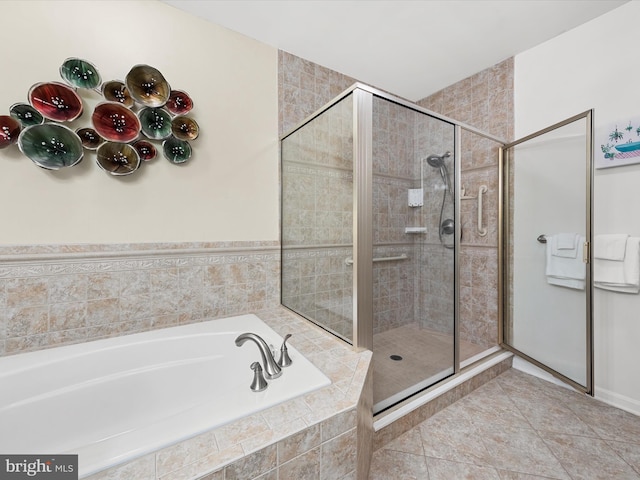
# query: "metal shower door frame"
[[363, 217], [363, 204], [503, 264]]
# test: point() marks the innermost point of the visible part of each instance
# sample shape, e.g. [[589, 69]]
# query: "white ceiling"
[[410, 48]]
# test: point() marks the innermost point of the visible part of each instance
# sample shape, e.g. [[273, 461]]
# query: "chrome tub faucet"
[[271, 368]]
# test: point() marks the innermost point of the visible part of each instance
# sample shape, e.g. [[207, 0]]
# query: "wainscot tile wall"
[[55, 295]]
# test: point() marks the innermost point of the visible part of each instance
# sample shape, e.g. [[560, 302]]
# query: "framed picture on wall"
[[618, 144]]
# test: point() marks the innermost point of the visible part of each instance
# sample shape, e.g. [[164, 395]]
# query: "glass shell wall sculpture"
[[121, 129]]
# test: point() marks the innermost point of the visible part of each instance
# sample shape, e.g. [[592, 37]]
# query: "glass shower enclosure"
[[371, 233]]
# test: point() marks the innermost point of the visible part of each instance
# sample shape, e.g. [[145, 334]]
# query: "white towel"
[[566, 271], [610, 247], [566, 282], [565, 241], [620, 275], [564, 244]]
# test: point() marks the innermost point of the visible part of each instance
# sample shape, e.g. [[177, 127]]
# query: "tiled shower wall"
[[56, 295], [408, 291], [485, 101], [393, 175], [435, 268], [304, 87]]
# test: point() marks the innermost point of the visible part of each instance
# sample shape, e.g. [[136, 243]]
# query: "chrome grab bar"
[[482, 231], [349, 261]]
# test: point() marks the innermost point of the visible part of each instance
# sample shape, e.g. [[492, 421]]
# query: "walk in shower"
[[371, 235]]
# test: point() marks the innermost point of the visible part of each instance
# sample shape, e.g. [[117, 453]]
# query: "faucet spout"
[[271, 367]]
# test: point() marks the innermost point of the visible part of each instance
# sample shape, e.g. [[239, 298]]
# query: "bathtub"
[[112, 400]]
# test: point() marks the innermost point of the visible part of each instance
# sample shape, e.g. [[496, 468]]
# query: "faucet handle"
[[285, 359], [259, 383]]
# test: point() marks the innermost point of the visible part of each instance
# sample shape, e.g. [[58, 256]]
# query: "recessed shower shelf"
[[415, 229]]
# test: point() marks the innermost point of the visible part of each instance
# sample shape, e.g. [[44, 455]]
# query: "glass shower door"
[[547, 188], [413, 259], [317, 219]]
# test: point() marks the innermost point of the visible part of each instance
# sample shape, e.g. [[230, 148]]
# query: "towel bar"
[[349, 261]]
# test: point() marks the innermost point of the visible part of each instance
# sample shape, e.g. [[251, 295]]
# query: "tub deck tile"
[[314, 433], [281, 431], [235, 432], [285, 412], [142, 468], [209, 463], [174, 457]]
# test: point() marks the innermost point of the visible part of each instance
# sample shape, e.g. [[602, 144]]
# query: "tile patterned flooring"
[[517, 427], [424, 353]]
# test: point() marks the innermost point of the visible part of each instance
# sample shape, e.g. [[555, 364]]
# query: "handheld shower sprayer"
[[447, 226]]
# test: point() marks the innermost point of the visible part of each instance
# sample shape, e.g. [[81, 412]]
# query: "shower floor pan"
[[427, 355]]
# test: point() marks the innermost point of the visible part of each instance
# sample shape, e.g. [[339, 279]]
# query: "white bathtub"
[[112, 400]]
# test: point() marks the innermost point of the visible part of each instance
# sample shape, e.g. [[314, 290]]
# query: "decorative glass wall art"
[[55, 101], [145, 150], [9, 130], [147, 86], [156, 123], [118, 158], [26, 114], [51, 146], [176, 151], [120, 130], [116, 91], [80, 73], [91, 140], [115, 122]]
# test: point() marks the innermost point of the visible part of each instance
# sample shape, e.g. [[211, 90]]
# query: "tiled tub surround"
[[317, 435], [56, 295], [119, 398], [52, 295]]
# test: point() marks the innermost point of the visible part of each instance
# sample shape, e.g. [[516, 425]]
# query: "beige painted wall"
[[228, 191]]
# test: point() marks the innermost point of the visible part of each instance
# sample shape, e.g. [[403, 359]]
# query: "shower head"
[[437, 161]]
